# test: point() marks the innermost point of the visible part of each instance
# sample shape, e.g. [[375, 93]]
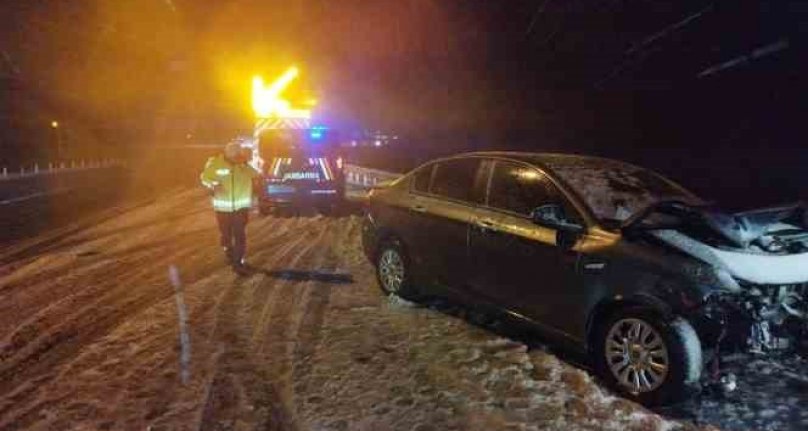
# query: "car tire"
[[634, 364], [393, 271], [330, 209], [324, 209], [339, 206]]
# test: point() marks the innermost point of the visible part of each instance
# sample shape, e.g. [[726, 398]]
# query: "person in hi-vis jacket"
[[229, 177]]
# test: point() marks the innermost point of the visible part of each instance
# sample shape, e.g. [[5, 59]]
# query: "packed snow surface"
[[90, 338]]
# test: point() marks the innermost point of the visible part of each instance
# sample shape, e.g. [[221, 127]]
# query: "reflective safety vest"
[[231, 183]]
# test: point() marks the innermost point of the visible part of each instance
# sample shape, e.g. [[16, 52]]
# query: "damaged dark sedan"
[[653, 284]]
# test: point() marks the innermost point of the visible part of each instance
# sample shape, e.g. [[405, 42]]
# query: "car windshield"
[[615, 191]]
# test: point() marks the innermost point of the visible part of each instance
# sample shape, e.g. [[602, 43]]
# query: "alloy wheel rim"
[[637, 355], [391, 271]]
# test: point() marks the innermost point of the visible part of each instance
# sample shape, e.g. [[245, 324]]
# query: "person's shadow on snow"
[[319, 276]]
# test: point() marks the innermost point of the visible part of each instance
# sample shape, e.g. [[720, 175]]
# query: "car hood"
[[765, 246]]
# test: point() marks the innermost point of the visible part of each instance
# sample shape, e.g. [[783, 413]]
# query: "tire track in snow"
[[105, 290], [269, 253], [53, 346], [58, 298], [255, 384], [241, 388], [263, 325], [55, 283], [267, 292], [309, 329], [230, 364], [93, 299], [276, 326], [53, 356], [43, 243]]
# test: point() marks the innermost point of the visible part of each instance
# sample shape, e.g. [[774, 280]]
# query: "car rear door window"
[[422, 179], [519, 189], [455, 179]]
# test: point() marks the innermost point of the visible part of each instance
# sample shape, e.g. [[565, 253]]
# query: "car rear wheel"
[[393, 272], [333, 209], [648, 359]]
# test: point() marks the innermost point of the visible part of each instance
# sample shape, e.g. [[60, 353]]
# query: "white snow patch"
[[755, 268], [395, 301], [466, 356], [501, 342], [692, 349], [362, 309], [768, 413], [765, 269]]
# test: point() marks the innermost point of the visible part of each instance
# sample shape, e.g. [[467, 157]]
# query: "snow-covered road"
[[90, 339]]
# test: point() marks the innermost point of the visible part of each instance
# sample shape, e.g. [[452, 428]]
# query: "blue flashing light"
[[317, 133]]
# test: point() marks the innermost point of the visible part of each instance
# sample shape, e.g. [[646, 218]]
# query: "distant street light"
[[55, 127]]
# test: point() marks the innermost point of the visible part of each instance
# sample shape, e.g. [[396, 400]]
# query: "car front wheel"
[[648, 359], [392, 269]]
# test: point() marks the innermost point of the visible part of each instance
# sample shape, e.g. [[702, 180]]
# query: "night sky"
[[685, 83]]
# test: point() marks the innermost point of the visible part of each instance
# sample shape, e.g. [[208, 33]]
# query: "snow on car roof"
[[613, 190]]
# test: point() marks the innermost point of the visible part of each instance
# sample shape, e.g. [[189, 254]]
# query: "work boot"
[[240, 267], [228, 255]]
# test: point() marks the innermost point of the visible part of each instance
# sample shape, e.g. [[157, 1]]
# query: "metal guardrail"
[[354, 175], [367, 177], [58, 168]]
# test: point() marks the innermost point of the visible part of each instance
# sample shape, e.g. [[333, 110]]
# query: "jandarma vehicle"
[[649, 281], [302, 167]]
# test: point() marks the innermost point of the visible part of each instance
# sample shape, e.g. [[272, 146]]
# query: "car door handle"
[[418, 208], [486, 225]]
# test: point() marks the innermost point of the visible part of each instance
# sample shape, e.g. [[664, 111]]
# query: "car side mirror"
[[553, 216]]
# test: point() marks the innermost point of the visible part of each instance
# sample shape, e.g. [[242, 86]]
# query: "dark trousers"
[[232, 227]]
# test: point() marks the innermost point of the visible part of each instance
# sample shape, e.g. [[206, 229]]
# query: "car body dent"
[[632, 272]]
